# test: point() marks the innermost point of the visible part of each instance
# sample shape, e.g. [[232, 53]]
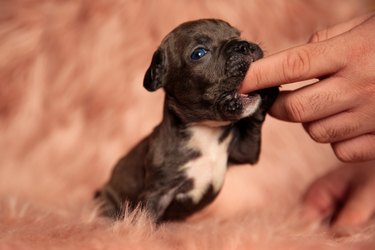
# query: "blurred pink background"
[[72, 103]]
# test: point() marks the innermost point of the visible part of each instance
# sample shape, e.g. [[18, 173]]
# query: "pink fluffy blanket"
[[72, 102]]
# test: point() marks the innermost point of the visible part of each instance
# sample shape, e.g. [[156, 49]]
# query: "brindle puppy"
[[207, 125]]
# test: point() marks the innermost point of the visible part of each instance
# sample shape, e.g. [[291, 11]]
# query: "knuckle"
[[324, 133], [345, 153], [349, 129], [360, 49], [296, 64], [319, 36], [294, 109], [320, 133], [319, 101]]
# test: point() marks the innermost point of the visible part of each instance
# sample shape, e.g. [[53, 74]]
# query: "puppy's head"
[[201, 65]]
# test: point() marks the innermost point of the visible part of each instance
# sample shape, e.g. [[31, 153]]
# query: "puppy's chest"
[[208, 170]]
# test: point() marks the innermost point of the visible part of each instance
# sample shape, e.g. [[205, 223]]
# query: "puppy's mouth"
[[249, 99], [237, 67], [250, 103], [234, 105]]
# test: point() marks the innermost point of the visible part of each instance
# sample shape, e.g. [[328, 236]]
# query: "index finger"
[[296, 64]]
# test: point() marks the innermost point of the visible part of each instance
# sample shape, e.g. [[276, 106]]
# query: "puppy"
[[207, 124]]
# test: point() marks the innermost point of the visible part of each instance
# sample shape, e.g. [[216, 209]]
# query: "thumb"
[[338, 29]]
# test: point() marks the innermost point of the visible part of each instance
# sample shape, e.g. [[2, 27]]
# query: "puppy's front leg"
[[156, 201], [245, 144]]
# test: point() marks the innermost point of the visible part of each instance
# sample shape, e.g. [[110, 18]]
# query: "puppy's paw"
[[108, 207]]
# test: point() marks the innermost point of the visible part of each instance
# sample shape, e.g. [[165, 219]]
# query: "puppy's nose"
[[255, 51], [245, 48], [254, 48]]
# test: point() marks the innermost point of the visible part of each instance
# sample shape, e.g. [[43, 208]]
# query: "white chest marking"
[[210, 167]]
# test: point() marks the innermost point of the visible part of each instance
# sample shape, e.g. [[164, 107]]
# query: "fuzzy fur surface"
[[72, 102]]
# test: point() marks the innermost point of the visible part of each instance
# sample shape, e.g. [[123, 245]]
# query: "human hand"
[[345, 196], [340, 107]]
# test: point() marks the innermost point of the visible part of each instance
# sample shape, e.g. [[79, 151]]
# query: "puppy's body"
[[180, 167]]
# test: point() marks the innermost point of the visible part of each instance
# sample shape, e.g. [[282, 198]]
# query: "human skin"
[[344, 195], [339, 109]]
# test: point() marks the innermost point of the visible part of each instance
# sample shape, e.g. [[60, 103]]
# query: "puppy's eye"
[[198, 53]]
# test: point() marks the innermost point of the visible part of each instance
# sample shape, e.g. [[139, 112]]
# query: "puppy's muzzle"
[[240, 54], [244, 48]]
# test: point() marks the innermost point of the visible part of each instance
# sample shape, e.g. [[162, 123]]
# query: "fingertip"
[[278, 108], [251, 81], [348, 218], [309, 212], [314, 211], [321, 198], [358, 209], [357, 149]]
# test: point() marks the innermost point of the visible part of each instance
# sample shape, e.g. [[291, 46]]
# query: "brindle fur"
[[197, 92]]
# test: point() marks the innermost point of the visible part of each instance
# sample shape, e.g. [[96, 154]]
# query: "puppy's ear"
[[154, 77]]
